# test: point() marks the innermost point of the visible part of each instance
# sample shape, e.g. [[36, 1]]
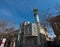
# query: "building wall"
[[31, 36], [31, 30], [55, 22]]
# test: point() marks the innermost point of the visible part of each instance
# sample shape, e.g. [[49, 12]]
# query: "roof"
[[55, 18]]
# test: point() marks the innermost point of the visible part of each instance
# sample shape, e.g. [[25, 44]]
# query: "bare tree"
[[47, 15], [57, 8], [4, 28]]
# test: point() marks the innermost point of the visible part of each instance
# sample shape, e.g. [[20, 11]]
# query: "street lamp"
[[38, 26]]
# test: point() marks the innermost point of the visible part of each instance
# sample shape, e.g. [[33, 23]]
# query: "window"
[[57, 25]]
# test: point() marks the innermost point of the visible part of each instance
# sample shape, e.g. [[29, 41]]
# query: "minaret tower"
[[36, 15], [38, 26]]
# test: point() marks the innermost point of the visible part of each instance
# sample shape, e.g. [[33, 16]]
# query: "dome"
[[28, 22]]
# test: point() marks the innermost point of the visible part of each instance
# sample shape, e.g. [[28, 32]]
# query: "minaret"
[[36, 15], [38, 26]]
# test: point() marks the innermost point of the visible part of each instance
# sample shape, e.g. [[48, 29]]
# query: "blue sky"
[[20, 10]]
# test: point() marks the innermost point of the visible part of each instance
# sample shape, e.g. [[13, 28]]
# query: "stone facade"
[[55, 22], [31, 37]]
